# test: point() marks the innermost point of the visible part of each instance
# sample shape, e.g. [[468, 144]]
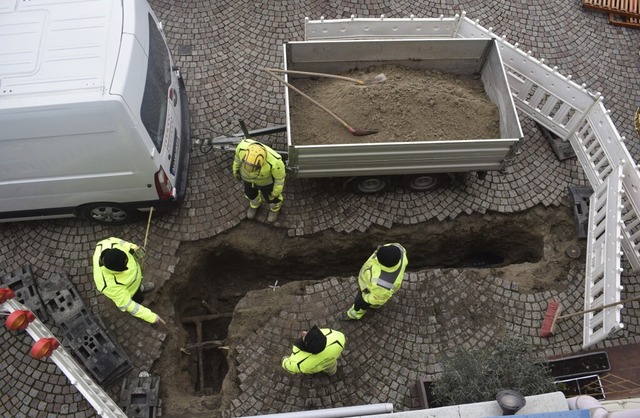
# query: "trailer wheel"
[[368, 185], [426, 182], [108, 213]]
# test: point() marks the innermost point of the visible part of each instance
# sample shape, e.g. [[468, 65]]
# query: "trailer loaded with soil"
[[419, 111]]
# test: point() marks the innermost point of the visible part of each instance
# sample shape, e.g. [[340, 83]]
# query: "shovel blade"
[[357, 132], [380, 78]]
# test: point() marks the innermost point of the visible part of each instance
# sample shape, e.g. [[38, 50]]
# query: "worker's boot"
[[254, 205], [147, 287], [273, 216], [251, 212], [331, 370], [274, 211], [352, 314]]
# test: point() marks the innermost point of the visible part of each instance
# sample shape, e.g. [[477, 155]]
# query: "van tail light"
[[163, 185]]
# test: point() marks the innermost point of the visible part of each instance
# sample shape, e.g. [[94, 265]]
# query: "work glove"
[[137, 251], [274, 197], [236, 174]]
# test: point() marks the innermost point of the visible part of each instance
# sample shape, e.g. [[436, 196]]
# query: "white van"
[[94, 119]]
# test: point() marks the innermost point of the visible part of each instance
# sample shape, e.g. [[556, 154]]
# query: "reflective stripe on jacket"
[[271, 172], [303, 362], [120, 286], [377, 282]]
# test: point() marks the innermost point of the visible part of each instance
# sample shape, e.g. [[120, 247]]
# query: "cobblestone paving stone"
[[228, 42]]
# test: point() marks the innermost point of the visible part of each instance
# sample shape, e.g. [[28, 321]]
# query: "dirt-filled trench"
[[536, 248]]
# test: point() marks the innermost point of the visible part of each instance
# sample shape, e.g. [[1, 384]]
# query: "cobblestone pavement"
[[228, 41]]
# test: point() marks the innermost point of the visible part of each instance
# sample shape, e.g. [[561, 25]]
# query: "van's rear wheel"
[[108, 213], [426, 182]]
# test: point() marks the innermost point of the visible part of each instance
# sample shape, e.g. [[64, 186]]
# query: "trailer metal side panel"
[[343, 160], [455, 56]]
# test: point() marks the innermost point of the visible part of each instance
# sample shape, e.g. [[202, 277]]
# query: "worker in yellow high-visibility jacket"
[[316, 351], [379, 278], [263, 172], [118, 275]]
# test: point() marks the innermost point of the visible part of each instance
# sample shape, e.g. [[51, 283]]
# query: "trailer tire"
[[108, 213], [368, 185], [426, 182]]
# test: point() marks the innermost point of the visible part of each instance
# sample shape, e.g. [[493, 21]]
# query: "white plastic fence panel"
[[602, 276], [380, 28], [93, 393], [572, 113]]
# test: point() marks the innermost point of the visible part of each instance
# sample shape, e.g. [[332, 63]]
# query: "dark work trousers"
[[251, 191], [138, 297], [359, 304]]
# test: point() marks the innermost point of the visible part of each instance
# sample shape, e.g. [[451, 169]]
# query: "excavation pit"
[[215, 274], [209, 364]]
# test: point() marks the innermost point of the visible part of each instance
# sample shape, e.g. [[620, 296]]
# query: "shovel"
[[353, 131], [380, 78]]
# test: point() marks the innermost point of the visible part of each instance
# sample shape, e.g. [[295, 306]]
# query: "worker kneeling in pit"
[[262, 172], [380, 277], [316, 351]]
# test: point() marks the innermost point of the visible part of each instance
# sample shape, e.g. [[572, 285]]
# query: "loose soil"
[[411, 105], [529, 248]]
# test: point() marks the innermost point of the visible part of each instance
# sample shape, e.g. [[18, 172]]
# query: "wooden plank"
[[626, 21], [629, 8]]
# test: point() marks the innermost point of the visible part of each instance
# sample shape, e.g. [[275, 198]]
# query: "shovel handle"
[[339, 77], [608, 305], [146, 233], [280, 79]]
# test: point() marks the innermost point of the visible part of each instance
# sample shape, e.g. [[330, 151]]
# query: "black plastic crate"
[[580, 200], [140, 397], [62, 302], [93, 347], [562, 149], [23, 285]]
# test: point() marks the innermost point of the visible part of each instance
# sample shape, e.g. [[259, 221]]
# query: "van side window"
[[154, 101]]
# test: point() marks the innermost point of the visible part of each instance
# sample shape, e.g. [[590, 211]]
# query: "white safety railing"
[[563, 107], [577, 115], [103, 404], [602, 275]]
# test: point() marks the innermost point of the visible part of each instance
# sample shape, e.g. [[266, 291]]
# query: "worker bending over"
[[380, 277], [316, 351], [118, 275], [262, 172]]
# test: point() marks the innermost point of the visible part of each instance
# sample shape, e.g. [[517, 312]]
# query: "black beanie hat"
[[114, 259], [389, 255], [315, 341]]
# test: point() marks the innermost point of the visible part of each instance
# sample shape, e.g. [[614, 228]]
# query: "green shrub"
[[478, 374]]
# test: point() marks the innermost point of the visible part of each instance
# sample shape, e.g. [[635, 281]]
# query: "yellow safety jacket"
[[377, 282], [271, 172], [120, 286], [303, 362]]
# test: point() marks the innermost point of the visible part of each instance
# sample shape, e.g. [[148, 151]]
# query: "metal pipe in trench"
[[342, 412]]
